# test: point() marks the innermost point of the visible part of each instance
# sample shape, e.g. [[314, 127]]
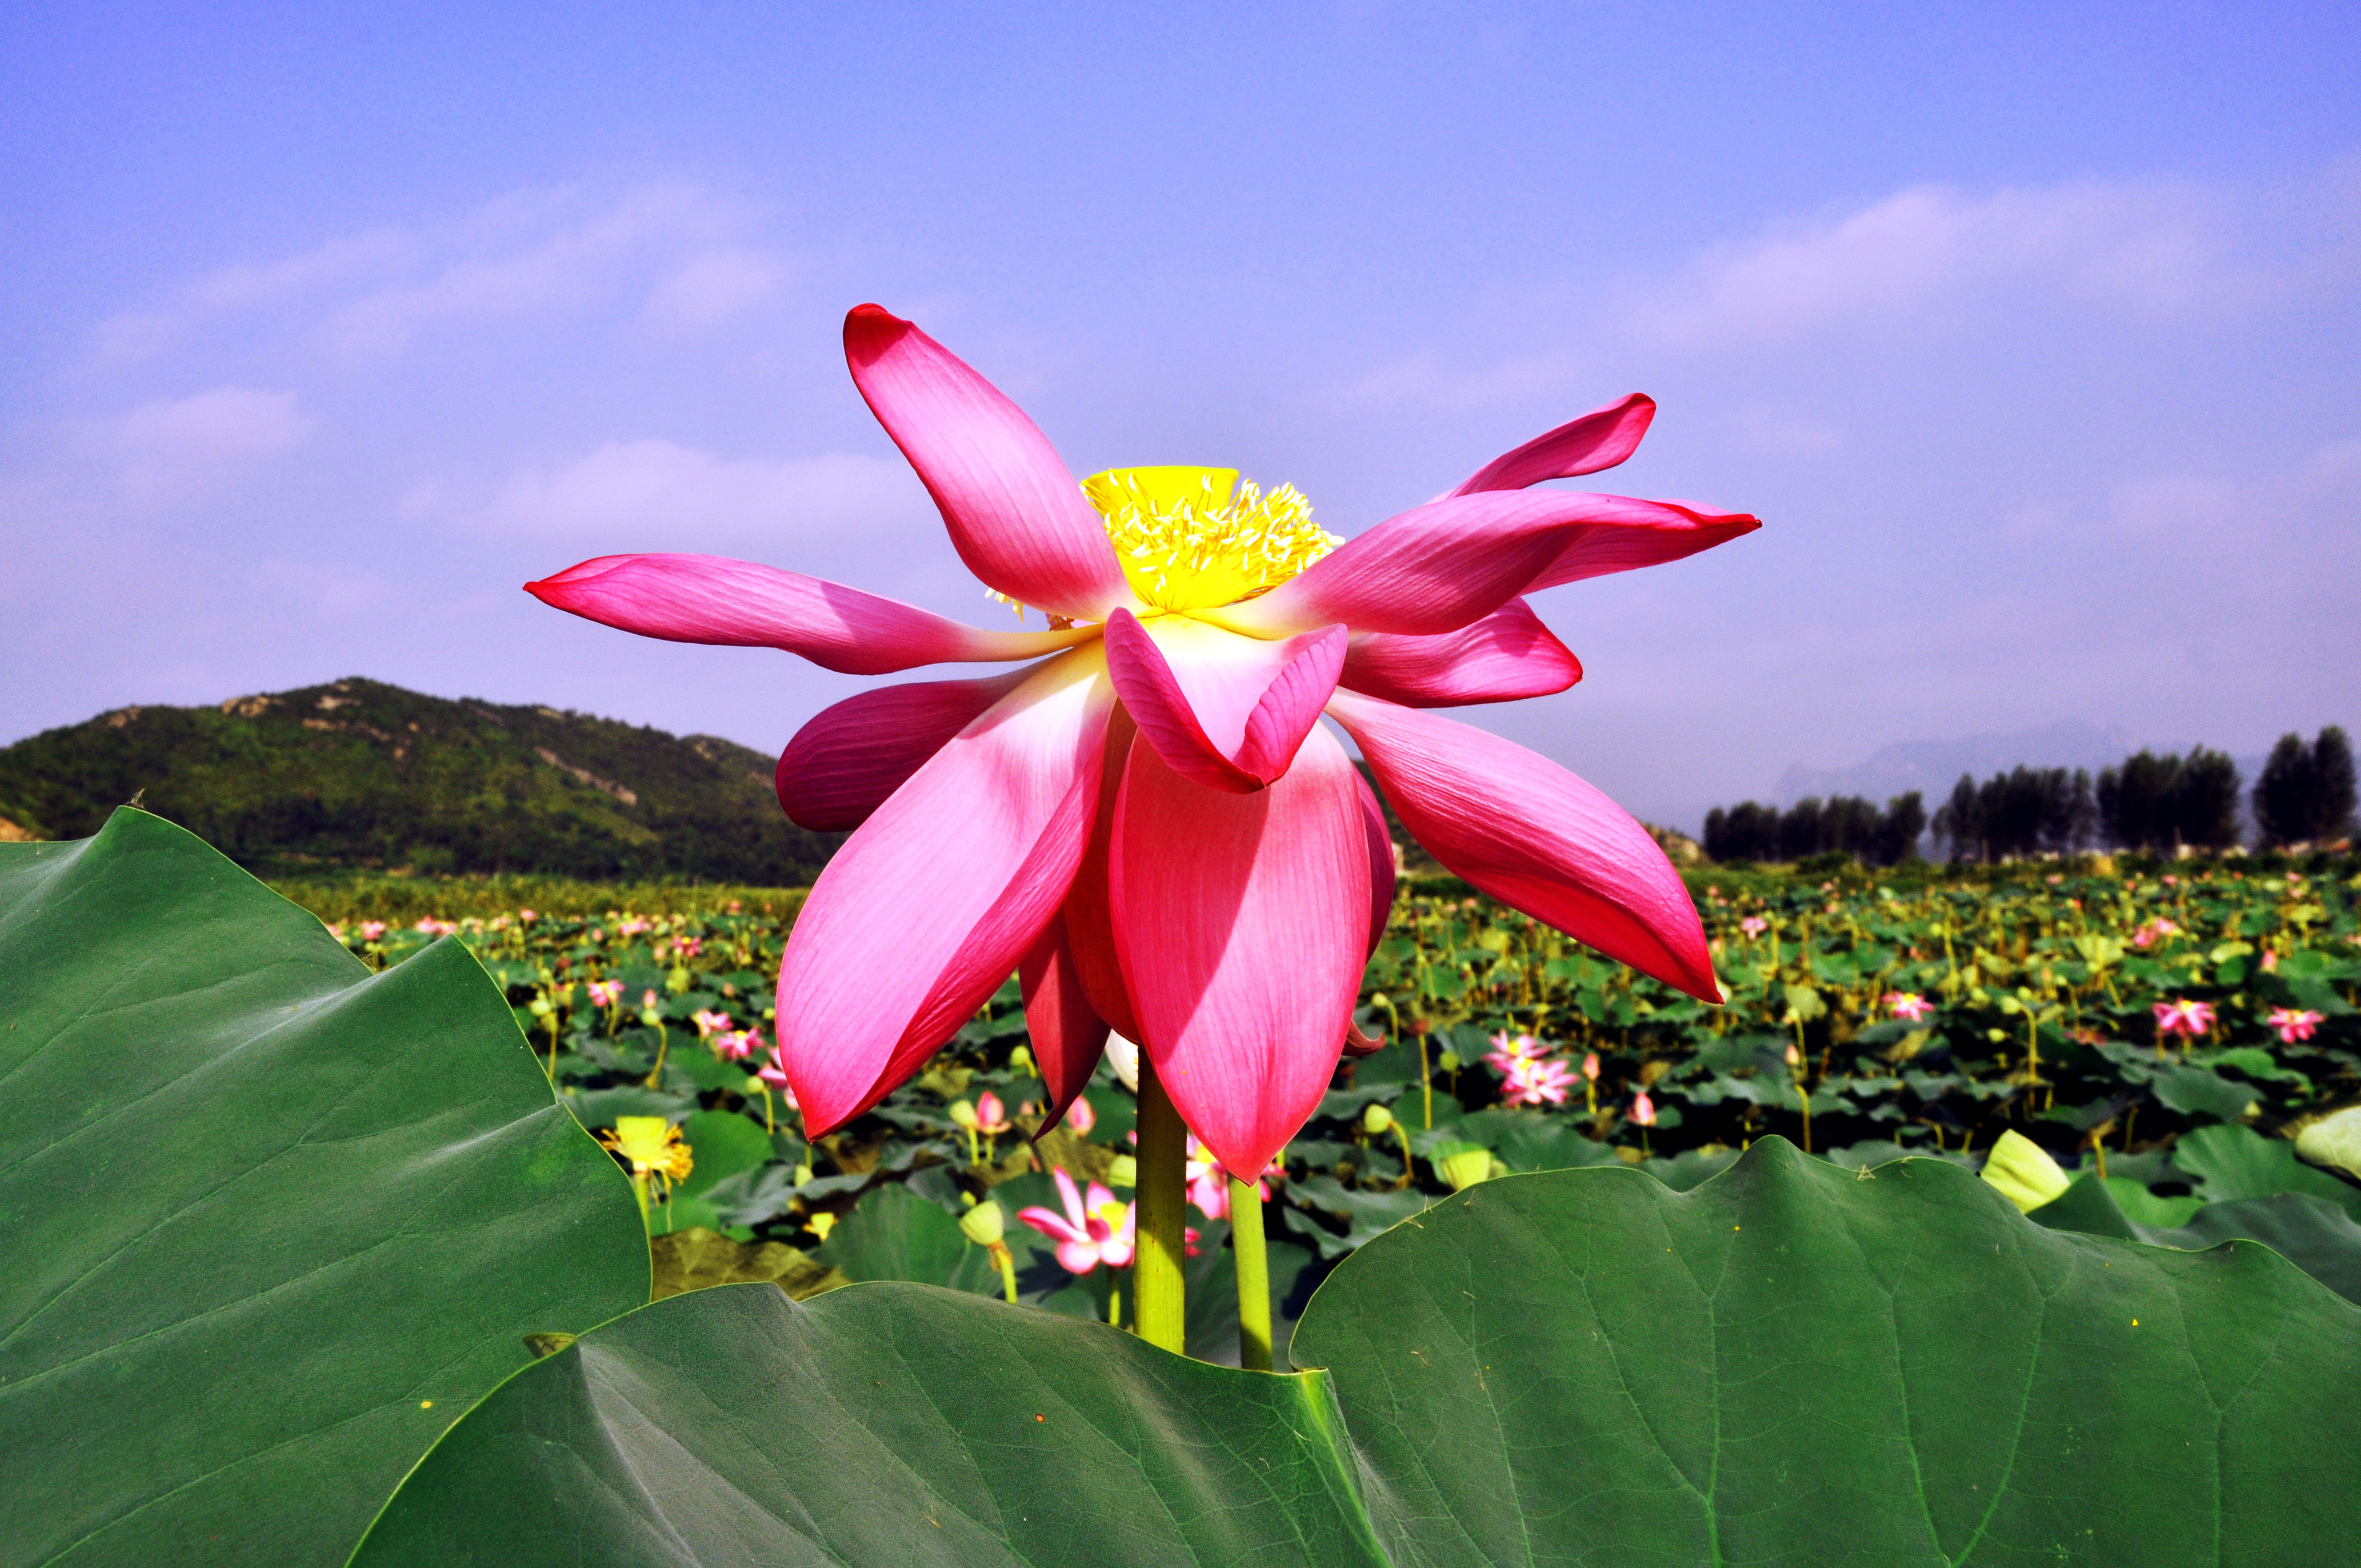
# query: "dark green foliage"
[[2021, 812], [358, 773], [2305, 793], [2162, 803], [1842, 825]]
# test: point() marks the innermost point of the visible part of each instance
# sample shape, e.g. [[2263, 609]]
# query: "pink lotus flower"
[[1506, 1053], [1090, 1232], [991, 1115], [1148, 822], [1643, 1110], [2271, 958], [1908, 1004], [606, 992], [2183, 1017], [371, 930], [1537, 1081], [737, 1045], [708, 1024], [774, 1073], [2293, 1023], [435, 928], [1209, 1184], [1591, 1066], [527, 916], [1755, 925], [1080, 1118]]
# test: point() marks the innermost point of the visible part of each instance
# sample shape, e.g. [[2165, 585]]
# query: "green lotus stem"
[[664, 1041], [1253, 1276], [1425, 1081], [1160, 1304], [640, 1192], [1006, 1262]]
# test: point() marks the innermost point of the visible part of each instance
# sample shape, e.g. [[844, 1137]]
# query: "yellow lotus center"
[[651, 1144], [1196, 539]]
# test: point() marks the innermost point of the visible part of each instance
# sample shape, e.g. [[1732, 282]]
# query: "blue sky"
[[2031, 334]]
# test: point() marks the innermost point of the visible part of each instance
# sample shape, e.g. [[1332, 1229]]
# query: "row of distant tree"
[[2150, 802]]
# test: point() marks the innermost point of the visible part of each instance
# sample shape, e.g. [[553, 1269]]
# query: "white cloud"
[[178, 444], [1922, 250], [138, 335], [660, 495], [712, 288], [1425, 381]]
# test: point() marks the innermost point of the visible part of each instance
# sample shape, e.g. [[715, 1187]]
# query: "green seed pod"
[[983, 1223], [1123, 1171], [1376, 1121], [963, 1113]]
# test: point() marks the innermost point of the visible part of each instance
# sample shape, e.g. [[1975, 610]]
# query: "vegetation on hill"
[[361, 776]]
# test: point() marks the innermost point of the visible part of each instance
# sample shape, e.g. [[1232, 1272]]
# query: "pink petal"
[[1079, 1258], [1242, 921], [1088, 913], [737, 604], [1599, 439], [1382, 861], [1507, 655], [1068, 1037], [1534, 836], [1016, 515], [1224, 711], [926, 909], [1450, 562], [1052, 1225], [844, 763]]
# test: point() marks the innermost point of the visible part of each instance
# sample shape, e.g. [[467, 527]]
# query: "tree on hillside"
[[2135, 801], [2305, 793], [2204, 807]]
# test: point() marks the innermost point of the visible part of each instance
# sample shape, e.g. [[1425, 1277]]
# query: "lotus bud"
[[1463, 1165], [755, 1086], [1380, 1000], [1643, 1110], [1447, 1062], [1794, 1057], [963, 1115], [540, 1008], [1123, 1171], [2024, 1172], [1021, 1060], [1591, 1066], [982, 1224], [1376, 1121], [1080, 1117]]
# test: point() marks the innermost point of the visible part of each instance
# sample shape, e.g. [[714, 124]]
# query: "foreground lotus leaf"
[[272, 1222], [1792, 1364]]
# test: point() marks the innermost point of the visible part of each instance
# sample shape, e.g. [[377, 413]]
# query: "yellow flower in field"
[[653, 1144]]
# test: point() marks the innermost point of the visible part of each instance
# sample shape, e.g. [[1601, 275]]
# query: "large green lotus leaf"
[[2311, 1232], [893, 1424], [271, 1221], [1794, 1364]]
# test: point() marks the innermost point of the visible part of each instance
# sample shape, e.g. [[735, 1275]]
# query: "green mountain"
[[362, 775]]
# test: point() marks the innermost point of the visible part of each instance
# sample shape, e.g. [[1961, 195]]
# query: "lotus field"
[[2170, 1030]]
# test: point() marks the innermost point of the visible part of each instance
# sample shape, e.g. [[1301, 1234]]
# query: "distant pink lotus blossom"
[[737, 1045], [433, 927], [1536, 1081], [1209, 1184], [991, 1115], [1093, 1230], [1147, 822], [2294, 1024], [1755, 925], [687, 947], [2154, 931], [2271, 960], [774, 1073], [1908, 1004], [1080, 1118], [1643, 1110], [708, 1024], [371, 930], [2183, 1017], [606, 992], [1591, 1066], [527, 916], [631, 927], [1506, 1053]]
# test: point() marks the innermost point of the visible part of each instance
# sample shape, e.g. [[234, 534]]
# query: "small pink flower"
[[1591, 1066], [1643, 1110], [2183, 1017], [2270, 961], [1537, 1083], [1908, 1004], [1209, 1184], [687, 947], [435, 928], [737, 1045], [1755, 925], [1080, 1117], [371, 930], [1507, 1053], [528, 916], [1093, 1230], [708, 1024], [774, 1073], [991, 1115], [2294, 1024], [606, 992]]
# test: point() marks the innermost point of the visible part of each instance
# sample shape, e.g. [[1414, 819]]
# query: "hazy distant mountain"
[[1932, 767], [361, 773]]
